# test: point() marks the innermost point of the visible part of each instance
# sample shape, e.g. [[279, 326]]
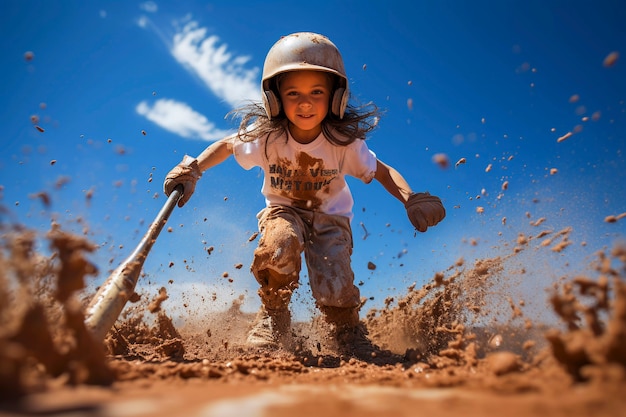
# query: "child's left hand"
[[424, 210]]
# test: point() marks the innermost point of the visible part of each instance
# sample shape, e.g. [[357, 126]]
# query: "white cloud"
[[179, 118], [224, 74], [149, 6], [142, 22]]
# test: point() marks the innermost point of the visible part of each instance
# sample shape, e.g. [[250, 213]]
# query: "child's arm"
[[216, 153], [393, 182], [190, 169], [424, 210]]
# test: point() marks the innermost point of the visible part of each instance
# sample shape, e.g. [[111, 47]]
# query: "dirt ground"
[[437, 354]]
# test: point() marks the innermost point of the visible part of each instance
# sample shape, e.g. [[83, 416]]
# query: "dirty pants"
[[326, 240]]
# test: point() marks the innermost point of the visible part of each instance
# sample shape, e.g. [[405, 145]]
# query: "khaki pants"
[[326, 241]]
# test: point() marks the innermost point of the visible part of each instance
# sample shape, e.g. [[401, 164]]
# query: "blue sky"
[[122, 90]]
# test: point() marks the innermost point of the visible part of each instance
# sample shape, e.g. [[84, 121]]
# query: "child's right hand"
[[424, 210], [186, 173]]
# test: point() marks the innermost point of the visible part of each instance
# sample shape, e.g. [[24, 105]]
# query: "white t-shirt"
[[309, 176]]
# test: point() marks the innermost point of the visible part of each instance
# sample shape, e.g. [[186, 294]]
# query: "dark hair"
[[356, 123]]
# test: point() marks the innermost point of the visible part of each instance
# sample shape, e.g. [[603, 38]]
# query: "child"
[[306, 138]]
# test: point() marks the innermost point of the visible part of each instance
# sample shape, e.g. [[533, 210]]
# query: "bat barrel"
[[110, 299]]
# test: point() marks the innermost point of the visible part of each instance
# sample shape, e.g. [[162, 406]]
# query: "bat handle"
[[110, 299]]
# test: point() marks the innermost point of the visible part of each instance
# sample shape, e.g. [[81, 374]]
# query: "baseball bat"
[[110, 299]]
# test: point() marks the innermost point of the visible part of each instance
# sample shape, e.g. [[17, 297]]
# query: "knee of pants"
[[279, 253]]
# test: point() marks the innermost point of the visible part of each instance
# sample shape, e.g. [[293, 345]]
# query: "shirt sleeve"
[[247, 154], [360, 162]]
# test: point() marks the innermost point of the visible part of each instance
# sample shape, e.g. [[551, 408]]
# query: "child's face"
[[305, 96]]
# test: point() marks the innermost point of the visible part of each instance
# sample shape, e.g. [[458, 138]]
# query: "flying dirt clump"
[[427, 320], [132, 332], [592, 348], [43, 332], [449, 324]]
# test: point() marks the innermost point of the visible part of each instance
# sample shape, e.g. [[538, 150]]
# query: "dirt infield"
[[441, 351]]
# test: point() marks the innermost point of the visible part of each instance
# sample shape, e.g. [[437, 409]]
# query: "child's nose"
[[304, 102]]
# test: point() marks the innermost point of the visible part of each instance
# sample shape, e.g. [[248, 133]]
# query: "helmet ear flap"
[[340, 102], [271, 104]]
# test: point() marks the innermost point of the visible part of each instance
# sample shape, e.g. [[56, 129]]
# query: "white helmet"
[[304, 51]]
